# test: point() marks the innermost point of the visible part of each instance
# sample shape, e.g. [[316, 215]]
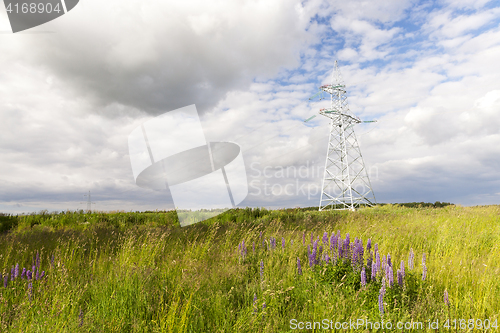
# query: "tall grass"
[[141, 272]]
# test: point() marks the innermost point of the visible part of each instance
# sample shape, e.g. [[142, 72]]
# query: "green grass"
[[141, 272]]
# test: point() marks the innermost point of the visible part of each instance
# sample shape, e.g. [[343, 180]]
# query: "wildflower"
[[320, 250], [375, 248], [42, 275], [389, 260], [253, 247], [374, 270], [282, 242], [263, 244], [38, 274], [12, 273], [309, 255], [254, 302], [5, 281], [262, 269], [363, 277], [333, 242], [446, 300], [327, 259], [299, 268], [23, 273], [16, 271], [30, 289], [312, 237], [52, 261], [410, 259], [340, 248], [381, 298], [377, 261], [292, 241], [261, 234], [402, 268], [424, 270], [368, 244], [273, 243], [400, 278], [28, 275], [314, 252], [391, 275], [325, 238]]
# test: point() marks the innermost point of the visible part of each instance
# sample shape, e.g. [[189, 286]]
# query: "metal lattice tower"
[[345, 183]]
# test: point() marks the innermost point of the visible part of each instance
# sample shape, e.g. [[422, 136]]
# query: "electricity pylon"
[[345, 183]]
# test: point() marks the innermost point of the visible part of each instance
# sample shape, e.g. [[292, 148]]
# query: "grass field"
[[238, 272]]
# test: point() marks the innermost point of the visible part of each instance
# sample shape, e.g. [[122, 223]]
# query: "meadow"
[[253, 270]]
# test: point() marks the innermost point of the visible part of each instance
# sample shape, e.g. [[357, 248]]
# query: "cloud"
[[161, 56]]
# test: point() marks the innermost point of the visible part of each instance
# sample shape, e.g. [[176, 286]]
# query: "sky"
[[72, 91]]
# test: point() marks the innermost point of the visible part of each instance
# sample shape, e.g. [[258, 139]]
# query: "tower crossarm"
[[333, 88], [334, 113]]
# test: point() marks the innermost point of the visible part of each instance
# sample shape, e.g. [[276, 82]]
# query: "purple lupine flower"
[[253, 247], [314, 252], [12, 273], [381, 303], [304, 238], [262, 269], [377, 261], [37, 274], [320, 252], [381, 298], [410, 259], [389, 260], [239, 248], [299, 268], [16, 271], [254, 303], [242, 247], [261, 234], [340, 248], [42, 275], [309, 255], [28, 275], [363, 277], [312, 236], [391, 276], [375, 248], [30, 290], [374, 270], [327, 259], [368, 244], [325, 238], [384, 262], [446, 299], [291, 242], [333, 242], [424, 270], [5, 281], [402, 268], [400, 278], [52, 261], [282, 242], [23, 273], [263, 244]]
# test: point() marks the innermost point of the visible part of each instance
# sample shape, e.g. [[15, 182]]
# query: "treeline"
[[437, 204]]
